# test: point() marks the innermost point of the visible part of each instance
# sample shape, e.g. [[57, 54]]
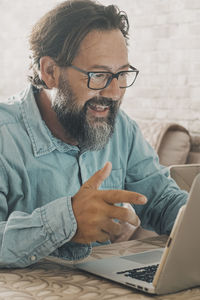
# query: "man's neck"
[[43, 100]]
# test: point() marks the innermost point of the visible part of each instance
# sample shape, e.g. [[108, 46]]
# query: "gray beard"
[[91, 135], [95, 138]]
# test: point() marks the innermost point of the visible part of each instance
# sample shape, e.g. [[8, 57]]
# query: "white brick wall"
[[164, 46]]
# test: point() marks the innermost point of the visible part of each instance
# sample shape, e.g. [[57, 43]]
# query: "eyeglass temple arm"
[[78, 69]]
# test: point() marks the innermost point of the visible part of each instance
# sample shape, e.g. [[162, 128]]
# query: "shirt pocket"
[[114, 181]]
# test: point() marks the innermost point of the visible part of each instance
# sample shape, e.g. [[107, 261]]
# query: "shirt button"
[[33, 258]]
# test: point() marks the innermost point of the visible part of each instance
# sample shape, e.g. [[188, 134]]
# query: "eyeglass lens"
[[101, 80]]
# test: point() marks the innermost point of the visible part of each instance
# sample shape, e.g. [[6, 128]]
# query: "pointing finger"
[[119, 196]]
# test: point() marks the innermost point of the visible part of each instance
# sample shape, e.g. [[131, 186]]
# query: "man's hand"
[[95, 210]]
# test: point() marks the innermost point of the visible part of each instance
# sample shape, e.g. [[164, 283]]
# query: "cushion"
[[171, 141], [194, 155], [174, 148]]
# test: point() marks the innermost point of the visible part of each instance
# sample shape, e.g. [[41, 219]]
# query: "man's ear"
[[49, 72]]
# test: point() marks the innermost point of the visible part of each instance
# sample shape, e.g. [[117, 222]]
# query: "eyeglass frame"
[[113, 75]]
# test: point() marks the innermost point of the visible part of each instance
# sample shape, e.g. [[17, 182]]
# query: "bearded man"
[[74, 168]]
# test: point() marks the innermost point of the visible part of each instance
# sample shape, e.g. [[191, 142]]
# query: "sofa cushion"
[[174, 148], [194, 155], [171, 141]]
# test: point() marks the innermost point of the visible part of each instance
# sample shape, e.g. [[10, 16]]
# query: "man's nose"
[[112, 91]]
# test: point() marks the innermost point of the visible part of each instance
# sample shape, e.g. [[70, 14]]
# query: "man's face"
[[88, 116]]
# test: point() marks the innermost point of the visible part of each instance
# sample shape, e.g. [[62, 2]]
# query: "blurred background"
[[164, 45]]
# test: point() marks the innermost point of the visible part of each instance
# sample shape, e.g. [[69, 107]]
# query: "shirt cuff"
[[59, 221]]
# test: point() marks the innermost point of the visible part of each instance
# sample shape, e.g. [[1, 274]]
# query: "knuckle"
[[88, 186]]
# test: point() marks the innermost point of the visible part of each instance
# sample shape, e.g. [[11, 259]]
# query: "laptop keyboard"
[[144, 273]]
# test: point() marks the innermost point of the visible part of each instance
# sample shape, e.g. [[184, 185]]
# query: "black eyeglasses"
[[101, 80]]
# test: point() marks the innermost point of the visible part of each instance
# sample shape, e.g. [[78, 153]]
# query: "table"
[[51, 279]]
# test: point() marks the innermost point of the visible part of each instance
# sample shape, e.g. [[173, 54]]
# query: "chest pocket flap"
[[114, 181]]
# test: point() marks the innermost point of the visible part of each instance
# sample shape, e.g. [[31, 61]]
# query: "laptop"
[[184, 174], [164, 270]]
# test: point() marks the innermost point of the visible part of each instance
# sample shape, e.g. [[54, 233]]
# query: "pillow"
[[174, 147], [194, 155], [171, 141]]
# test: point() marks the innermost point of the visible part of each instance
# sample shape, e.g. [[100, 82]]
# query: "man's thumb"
[[96, 180]]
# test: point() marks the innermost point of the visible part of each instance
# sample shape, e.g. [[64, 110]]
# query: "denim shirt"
[[39, 174]]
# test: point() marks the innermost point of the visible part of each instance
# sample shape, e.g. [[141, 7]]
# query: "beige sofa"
[[174, 144]]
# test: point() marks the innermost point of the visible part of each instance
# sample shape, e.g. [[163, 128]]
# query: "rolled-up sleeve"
[[26, 238]]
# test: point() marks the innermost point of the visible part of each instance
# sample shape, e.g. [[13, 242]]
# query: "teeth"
[[98, 107]]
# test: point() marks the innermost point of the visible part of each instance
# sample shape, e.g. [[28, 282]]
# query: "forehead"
[[102, 48]]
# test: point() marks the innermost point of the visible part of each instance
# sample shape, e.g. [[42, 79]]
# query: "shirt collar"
[[41, 138]]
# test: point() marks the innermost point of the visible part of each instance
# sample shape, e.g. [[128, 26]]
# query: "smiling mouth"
[[98, 107]]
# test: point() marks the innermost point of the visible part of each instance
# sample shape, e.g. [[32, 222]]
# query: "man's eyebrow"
[[106, 68]]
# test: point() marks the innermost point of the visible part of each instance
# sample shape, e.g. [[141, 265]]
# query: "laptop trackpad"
[[149, 257]]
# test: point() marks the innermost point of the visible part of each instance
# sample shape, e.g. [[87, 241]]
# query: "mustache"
[[102, 101]]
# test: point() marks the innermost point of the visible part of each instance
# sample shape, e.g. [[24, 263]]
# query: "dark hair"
[[59, 33]]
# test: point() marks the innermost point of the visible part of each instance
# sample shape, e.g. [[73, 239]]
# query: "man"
[[69, 157]]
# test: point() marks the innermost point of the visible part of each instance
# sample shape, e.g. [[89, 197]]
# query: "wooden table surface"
[[54, 280]]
